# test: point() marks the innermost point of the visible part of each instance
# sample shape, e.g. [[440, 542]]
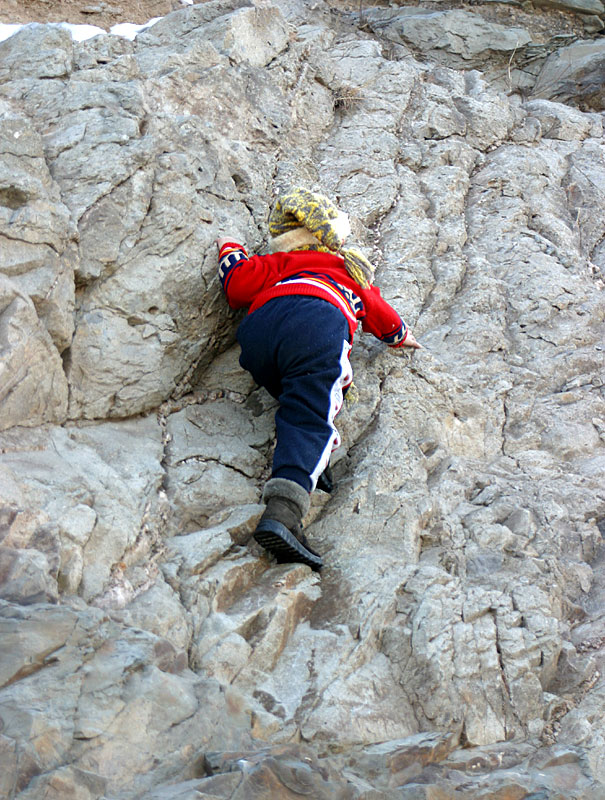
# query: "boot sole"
[[280, 542]]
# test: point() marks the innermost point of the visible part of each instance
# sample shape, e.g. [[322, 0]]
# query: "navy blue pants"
[[297, 347]]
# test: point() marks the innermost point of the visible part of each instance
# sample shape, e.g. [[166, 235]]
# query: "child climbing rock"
[[305, 301]]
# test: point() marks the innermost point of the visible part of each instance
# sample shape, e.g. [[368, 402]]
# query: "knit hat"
[[304, 220]]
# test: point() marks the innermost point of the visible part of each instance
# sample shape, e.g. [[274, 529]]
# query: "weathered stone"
[[462, 594], [66, 471], [396, 763], [108, 158], [196, 552], [33, 388], [279, 772], [107, 689], [218, 786], [573, 75], [159, 611], [579, 6], [558, 121], [175, 29], [36, 51], [252, 35], [25, 578], [66, 782], [35, 227], [31, 640], [8, 764], [466, 38]]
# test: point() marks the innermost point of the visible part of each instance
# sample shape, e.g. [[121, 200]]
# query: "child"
[[305, 301]]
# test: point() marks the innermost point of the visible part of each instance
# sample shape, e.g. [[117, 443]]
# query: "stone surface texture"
[[453, 646]]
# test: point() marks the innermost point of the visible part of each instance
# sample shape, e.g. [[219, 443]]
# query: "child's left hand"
[[410, 341], [223, 240]]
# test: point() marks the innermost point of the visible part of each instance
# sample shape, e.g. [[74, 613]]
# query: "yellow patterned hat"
[[304, 220]]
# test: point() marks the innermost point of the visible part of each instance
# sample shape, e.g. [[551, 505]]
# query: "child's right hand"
[[223, 240]]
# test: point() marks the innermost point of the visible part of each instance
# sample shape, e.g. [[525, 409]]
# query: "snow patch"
[[7, 29], [129, 31], [79, 33]]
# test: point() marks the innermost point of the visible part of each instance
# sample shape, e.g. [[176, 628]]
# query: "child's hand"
[[220, 242], [410, 341]]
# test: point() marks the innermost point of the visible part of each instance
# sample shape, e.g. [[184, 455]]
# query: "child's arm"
[[243, 277], [384, 322], [230, 258]]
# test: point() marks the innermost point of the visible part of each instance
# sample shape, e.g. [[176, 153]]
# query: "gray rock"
[[154, 649], [83, 784], [573, 75], [171, 624], [36, 51], [175, 28], [592, 24], [106, 689], [558, 121], [398, 762], [251, 35], [463, 36], [26, 577], [38, 254], [33, 388], [578, 6], [65, 471], [108, 156], [279, 772]]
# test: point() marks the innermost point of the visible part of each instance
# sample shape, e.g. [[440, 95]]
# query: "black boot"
[[280, 528], [325, 481]]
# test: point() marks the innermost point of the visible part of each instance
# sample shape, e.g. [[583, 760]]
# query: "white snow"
[[7, 30], [129, 31], [80, 33]]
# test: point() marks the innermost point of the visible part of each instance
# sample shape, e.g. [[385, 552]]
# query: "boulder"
[[464, 38], [572, 75]]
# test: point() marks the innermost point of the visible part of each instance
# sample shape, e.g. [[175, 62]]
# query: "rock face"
[[574, 74], [455, 37], [453, 644]]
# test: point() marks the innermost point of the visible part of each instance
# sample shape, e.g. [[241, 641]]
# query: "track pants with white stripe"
[[297, 347]]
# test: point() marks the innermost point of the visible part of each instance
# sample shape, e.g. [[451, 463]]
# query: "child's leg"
[[310, 400], [258, 337], [297, 347]]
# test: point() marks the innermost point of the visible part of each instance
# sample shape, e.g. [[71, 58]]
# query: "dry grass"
[[347, 97]]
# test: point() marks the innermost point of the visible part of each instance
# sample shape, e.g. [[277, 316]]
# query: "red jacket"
[[256, 280]]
